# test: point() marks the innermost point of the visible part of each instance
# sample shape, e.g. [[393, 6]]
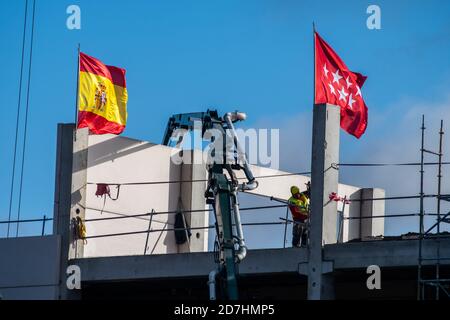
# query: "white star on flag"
[[349, 84], [332, 88], [350, 101], [336, 76], [325, 70], [358, 91], [342, 94]]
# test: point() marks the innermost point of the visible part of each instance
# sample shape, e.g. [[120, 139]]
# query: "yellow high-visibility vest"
[[299, 207]]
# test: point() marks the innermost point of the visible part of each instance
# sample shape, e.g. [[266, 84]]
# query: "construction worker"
[[299, 206]]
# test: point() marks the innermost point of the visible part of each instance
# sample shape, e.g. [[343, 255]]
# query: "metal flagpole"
[[314, 71], [77, 94]]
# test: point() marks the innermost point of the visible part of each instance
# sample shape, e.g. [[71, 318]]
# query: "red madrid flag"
[[336, 84]]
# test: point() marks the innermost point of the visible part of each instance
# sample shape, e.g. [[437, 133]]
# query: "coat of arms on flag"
[[102, 97]]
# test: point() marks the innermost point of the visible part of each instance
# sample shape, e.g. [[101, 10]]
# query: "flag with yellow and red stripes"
[[103, 97]]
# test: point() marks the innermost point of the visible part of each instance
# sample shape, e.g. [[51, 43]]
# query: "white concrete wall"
[[116, 159], [372, 227], [350, 228], [378, 208]]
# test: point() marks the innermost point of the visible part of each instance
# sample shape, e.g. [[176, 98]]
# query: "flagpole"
[[77, 94], [314, 68]]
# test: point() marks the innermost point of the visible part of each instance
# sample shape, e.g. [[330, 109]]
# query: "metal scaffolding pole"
[[421, 214], [438, 207], [436, 282]]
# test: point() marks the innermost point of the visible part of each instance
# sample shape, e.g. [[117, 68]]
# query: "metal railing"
[[43, 220]]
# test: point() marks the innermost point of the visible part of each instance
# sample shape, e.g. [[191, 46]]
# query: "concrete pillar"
[[62, 203], [199, 240], [372, 227], [324, 180], [193, 198], [63, 179], [79, 180]]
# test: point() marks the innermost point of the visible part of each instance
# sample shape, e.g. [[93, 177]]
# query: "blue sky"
[[254, 55]]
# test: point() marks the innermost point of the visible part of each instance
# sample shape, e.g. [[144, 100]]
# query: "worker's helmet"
[[295, 190]]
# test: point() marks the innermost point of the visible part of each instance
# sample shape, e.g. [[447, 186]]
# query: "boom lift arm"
[[221, 191]]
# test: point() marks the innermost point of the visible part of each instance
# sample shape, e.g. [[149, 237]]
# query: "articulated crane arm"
[[221, 192]]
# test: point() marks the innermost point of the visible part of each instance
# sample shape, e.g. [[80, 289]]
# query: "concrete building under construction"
[[127, 194]]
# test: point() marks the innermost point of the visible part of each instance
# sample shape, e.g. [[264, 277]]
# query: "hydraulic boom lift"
[[221, 191]]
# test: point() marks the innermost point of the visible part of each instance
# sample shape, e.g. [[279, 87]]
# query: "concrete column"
[[324, 180], [78, 194], [199, 240], [63, 179], [372, 227], [193, 198], [62, 203]]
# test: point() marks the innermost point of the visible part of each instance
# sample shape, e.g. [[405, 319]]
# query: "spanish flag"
[[102, 97]]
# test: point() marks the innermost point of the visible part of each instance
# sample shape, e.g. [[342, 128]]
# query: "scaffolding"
[[440, 284]]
